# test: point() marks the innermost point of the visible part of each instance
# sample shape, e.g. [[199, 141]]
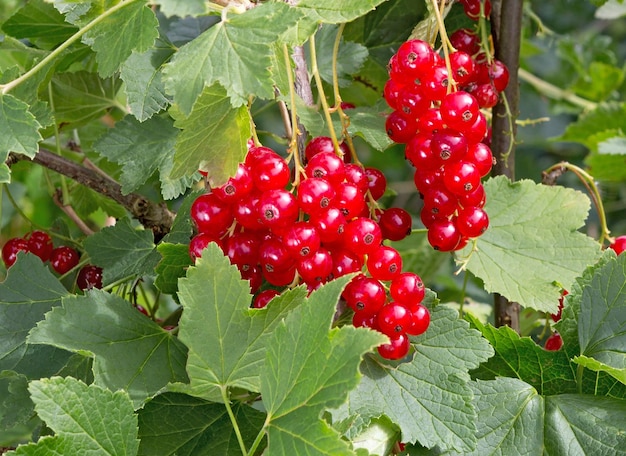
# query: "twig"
[[71, 213], [156, 217]]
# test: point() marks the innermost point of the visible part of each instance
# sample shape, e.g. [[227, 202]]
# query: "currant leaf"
[[213, 137], [532, 242]]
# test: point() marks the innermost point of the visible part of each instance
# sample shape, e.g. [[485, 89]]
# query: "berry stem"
[[322, 95], [550, 174], [293, 132], [445, 42], [233, 420]]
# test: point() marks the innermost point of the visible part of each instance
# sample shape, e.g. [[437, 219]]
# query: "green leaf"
[[132, 27], [17, 420], [144, 86], [20, 129], [532, 242], [182, 228], [602, 317], [584, 425], [172, 266], [607, 116], [29, 291], [549, 372], [111, 329], [226, 338], [510, 418], [308, 368], [214, 137], [350, 56], [429, 397], [337, 11], [599, 81], [177, 424], [419, 257], [369, 124], [81, 96], [86, 201], [236, 53], [141, 149], [122, 251], [182, 9], [597, 366], [39, 22], [85, 419]]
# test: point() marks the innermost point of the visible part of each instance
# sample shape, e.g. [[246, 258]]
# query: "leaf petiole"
[[233, 419]]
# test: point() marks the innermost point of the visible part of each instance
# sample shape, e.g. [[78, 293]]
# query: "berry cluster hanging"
[[281, 233], [437, 115]]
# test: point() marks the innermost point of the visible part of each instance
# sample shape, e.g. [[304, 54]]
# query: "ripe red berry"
[[376, 182], [461, 177], [63, 259], [10, 249], [384, 263], [326, 165], [40, 244], [277, 208], [459, 110], [302, 239], [400, 127], [395, 223], [89, 276], [269, 172], [554, 342], [211, 215], [465, 40], [420, 319], [362, 235], [414, 58], [236, 187], [443, 235], [393, 319], [397, 347], [315, 195], [407, 289], [264, 297], [318, 145], [472, 221], [199, 242], [316, 268], [619, 244]]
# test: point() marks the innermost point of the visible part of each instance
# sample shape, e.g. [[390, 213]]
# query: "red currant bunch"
[[438, 117], [325, 225]]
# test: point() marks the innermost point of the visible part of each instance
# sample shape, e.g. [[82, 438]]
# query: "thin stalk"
[[233, 420], [6, 88], [18, 209], [259, 437], [445, 42], [294, 130], [580, 370], [594, 193], [554, 92], [320, 89], [463, 289]]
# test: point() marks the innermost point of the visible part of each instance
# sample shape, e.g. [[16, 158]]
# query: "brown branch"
[[506, 32], [156, 217]]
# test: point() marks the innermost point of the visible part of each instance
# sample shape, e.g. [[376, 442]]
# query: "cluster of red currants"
[[438, 117], [311, 230], [61, 258]]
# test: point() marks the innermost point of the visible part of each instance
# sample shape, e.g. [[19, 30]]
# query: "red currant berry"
[[443, 235], [472, 8], [448, 146], [356, 174], [419, 153], [478, 130], [63, 259], [199, 242], [472, 221], [619, 244], [236, 187], [459, 110], [318, 145], [407, 289], [394, 319], [395, 223], [554, 342], [280, 278], [461, 177], [430, 121], [40, 244], [89, 276], [246, 212], [349, 199], [256, 153], [426, 180], [254, 276], [376, 182], [400, 127], [476, 198], [415, 57], [326, 165], [270, 172], [362, 235], [384, 263], [330, 224], [486, 95], [440, 202], [364, 320], [274, 255], [412, 102], [302, 239], [396, 348], [243, 248], [463, 67], [499, 75], [435, 83], [345, 262], [391, 93], [263, 298], [10, 249], [465, 40], [316, 268], [211, 215], [315, 195], [277, 208], [420, 320]]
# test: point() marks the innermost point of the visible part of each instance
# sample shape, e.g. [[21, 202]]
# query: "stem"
[[506, 34], [233, 420], [320, 89], [6, 88], [549, 176], [157, 217], [65, 195], [462, 301], [259, 437], [445, 42], [294, 132], [555, 92], [580, 370]]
